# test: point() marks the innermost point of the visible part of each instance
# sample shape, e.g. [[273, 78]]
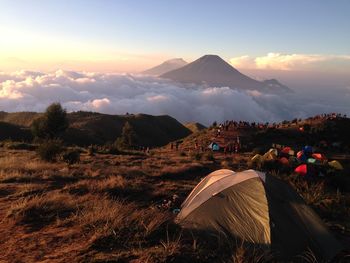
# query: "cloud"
[[121, 93], [280, 61]]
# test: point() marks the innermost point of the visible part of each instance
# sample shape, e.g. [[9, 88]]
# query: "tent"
[[336, 165], [259, 209], [307, 149], [257, 158], [301, 169], [271, 155], [284, 161], [214, 146], [301, 156], [319, 156], [287, 150]]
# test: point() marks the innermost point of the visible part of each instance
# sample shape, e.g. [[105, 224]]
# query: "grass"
[[41, 210], [105, 208]]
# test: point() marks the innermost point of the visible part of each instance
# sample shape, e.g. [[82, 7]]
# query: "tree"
[[128, 137], [52, 123]]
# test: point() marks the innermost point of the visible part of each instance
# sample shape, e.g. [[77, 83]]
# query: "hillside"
[[216, 72], [110, 208], [195, 126], [96, 128]]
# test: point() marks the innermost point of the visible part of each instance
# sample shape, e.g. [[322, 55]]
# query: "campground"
[[118, 208]]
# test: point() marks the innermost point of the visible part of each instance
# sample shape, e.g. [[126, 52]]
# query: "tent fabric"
[[214, 146], [205, 190], [259, 209], [301, 169], [221, 214], [319, 156], [257, 158], [270, 155], [336, 165], [284, 161], [307, 149]]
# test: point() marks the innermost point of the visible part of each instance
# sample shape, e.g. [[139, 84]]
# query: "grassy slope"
[[195, 126], [95, 128], [105, 208]]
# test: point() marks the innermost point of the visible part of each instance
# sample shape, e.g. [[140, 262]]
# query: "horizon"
[[88, 55]]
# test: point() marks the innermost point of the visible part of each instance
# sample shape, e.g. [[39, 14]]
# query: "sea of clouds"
[[122, 93]]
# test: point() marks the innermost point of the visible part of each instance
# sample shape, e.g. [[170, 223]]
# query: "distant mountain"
[[216, 72], [87, 128], [195, 126], [165, 67]]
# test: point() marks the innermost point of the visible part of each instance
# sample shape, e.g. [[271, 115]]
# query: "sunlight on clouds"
[[278, 61], [121, 93]]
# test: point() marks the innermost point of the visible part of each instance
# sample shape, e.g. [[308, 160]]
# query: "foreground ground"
[[107, 208]]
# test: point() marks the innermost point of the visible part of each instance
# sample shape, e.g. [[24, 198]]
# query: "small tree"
[[128, 137], [52, 123]]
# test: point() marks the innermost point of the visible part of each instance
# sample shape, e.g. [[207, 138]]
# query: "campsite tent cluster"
[[259, 209], [305, 162]]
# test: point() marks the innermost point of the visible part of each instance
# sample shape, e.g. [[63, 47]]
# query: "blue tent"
[[214, 146]]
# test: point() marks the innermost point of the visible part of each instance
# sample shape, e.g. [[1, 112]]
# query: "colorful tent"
[[301, 156], [260, 209], [301, 169]]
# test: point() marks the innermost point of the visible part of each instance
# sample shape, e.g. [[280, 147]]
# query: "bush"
[[71, 156], [197, 156], [209, 157], [49, 150], [19, 146], [183, 154]]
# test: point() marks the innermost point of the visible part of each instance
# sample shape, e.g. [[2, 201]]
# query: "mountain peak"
[[216, 72], [166, 66]]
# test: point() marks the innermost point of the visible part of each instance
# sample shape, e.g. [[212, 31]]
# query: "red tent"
[[284, 161], [301, 169]]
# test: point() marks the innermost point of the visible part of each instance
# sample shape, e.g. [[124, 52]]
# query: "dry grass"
[[110, 201], [42, 210]]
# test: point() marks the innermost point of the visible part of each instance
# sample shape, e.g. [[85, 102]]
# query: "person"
[[171, 146]]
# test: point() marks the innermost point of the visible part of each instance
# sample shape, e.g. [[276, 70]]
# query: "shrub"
[[209, 157], [49, 150], [197, 156], [71, 156], [19, 146]]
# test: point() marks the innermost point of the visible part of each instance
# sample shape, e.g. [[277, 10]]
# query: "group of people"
[[327, 116], [234, 125]]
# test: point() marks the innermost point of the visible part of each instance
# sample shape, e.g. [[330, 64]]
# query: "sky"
[[87, 55], [130, 36]]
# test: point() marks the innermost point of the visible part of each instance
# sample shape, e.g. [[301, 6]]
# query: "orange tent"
[[319, 156]]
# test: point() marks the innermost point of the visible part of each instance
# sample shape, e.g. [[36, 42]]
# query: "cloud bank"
[[121, 93], [278, 61]]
